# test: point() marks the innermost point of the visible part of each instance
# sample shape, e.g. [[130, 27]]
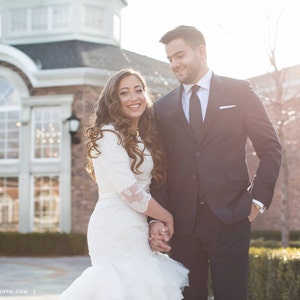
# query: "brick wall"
[[271, 219]]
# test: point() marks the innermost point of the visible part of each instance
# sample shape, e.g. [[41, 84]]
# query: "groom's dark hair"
[[191, 36]]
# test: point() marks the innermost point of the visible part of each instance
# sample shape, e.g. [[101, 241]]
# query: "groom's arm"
[[265, 141]]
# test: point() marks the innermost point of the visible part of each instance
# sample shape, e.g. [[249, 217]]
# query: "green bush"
[[272, 239], [274, 274], [274, 235], [42, 244]]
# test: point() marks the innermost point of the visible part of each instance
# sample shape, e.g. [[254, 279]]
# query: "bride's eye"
[[139, 91], [123, 94]]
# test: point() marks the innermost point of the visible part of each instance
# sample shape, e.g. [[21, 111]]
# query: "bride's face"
[[132, 98]]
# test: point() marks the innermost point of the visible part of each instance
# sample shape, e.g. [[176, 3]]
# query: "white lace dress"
[[123, 265]]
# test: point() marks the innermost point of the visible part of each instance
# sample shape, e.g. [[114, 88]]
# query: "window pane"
[[9, 204], [47, 132], [93, 17], [18, 20], [60, 17], [39, 18], [9, 117], [46, 203]]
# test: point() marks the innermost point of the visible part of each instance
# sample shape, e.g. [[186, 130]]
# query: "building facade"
[[55, 57]]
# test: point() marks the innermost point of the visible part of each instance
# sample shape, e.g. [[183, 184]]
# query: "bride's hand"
[[159, 237]]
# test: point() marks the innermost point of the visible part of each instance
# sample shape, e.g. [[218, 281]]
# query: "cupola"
[[42, 21]]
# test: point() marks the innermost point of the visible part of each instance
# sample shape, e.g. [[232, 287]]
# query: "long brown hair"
[[108, 111]]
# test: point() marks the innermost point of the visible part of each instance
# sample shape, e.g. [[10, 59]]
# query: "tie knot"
[[195, 89]]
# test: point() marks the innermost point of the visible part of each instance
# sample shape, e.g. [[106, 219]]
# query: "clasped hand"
[[160, 235]]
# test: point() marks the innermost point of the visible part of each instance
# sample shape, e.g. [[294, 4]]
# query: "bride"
[[124, 157]]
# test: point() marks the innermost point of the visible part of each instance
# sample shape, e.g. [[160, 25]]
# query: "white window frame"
[[32, 179], [43, 167], [33, 135], [25, 167], [85, 16], [50, 29], [14, 108]]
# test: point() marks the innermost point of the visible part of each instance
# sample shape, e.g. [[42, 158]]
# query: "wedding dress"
[[123, 265]]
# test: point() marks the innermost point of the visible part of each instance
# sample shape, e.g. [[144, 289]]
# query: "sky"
[[237, 32]]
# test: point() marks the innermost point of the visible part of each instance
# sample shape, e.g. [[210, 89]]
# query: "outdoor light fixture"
[[74, 124]]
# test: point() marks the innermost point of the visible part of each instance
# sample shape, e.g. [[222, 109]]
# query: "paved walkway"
[[39, 278], [26, 278]]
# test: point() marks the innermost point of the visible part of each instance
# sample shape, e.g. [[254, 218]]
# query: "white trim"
[[70, 77], [15, 79], [17, 58]]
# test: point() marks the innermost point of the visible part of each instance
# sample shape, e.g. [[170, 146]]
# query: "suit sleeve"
[[267, 146]]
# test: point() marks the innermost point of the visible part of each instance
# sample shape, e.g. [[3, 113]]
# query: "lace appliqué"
[[136, 198]]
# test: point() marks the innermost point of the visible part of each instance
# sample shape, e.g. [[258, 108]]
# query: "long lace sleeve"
[[116, 164]]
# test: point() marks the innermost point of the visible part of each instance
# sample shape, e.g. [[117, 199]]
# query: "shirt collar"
[[204, 82]]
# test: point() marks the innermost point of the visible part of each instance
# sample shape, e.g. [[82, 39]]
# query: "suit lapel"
[[176, 110], [214, 100]]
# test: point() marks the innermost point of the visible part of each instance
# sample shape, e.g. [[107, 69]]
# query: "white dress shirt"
[[203, 94]]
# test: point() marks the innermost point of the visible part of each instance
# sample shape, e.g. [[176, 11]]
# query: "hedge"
[[274, 274], [42, 244], [274, 235]]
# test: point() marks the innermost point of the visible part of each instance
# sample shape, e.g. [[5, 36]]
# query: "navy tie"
[[196, 121]]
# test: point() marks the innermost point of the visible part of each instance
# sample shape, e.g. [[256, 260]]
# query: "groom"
[[208, 189]]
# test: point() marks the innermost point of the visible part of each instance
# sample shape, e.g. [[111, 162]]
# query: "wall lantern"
[[73, 123]]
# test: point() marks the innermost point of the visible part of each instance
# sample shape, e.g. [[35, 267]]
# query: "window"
[[9, 121], [40, 18], [46, 203], [35, 160], [94, 17], [9, 204], [19, 20], [47, 132], [60, 17]]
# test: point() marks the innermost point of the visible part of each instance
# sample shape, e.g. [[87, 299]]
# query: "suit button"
[[194, 176], [198, 154]]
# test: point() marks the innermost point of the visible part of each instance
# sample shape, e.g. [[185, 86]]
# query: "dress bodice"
[[114, 175]]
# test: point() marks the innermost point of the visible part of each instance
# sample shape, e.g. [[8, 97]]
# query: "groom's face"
[[185, 61]]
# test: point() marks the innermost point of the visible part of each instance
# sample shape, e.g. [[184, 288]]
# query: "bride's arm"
[[116, 163]]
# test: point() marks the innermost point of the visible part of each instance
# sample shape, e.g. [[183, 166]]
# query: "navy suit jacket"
[[216, 167]]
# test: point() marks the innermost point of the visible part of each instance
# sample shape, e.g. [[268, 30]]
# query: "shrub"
[[274, 274], [42, 244]]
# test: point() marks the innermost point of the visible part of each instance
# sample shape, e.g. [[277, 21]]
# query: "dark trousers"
[[221, 246]]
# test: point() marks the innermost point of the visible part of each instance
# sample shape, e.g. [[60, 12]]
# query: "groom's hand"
[[159, 237], [253, 214]]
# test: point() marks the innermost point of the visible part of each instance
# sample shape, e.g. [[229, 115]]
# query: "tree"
[[277, 92]]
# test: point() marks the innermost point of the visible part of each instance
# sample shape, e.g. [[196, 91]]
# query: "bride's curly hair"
[[108, 111]]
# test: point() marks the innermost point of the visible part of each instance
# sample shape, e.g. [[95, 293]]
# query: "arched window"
[[10, 108]]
